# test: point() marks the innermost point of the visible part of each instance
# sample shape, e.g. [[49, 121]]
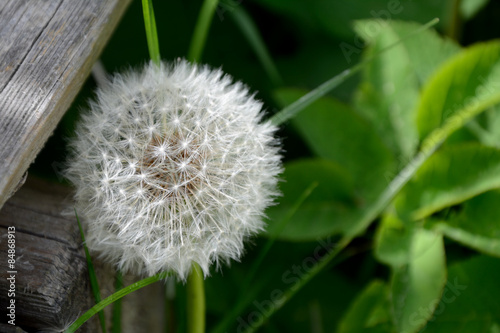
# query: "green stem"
[[252, 272], [116, 296], [455, 21], [246, 286], [151, 33], [195, 301], [117, 305], [366, 219], [93, 277], [201, 30]]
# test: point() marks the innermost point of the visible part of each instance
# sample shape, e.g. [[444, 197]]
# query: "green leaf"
[[419, 283], [389, 91], [326, 211], [469, 8], [335, 132], [425, 51], [298, 105], [392, 242], [463, 86], [369, 313], [452, 175], [486, 127], [469, 302], [476, 225]]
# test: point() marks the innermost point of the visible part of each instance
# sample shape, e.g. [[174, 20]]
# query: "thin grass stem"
[[306, 100], [114, 297], [151, 33], [201, 30], [93, 277]]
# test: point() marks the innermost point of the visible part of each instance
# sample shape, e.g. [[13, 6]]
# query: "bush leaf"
[[476, 224], [468, 303], [335, 132], [389, 91], [369, 312], [463, 86], [329, 208], [419, 283], [392, 242], [452, 175]]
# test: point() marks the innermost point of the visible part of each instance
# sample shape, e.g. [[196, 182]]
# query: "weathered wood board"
[[51, 279], [47, 48]]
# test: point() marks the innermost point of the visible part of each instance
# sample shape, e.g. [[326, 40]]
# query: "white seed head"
[[172, 165]]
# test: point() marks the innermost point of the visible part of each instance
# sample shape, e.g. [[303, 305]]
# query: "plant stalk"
[[195, 301]]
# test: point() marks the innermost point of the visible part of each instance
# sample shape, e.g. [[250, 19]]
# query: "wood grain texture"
[[52, 286], [47, 48]]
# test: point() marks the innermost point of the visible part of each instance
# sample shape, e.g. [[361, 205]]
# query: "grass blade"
[[306, 100], [113, 298], [201, 30], [250, 31], [281, 225], [93, 277], [248, 295], [117, 306], [151, 34], [366, 219], [430, 144]]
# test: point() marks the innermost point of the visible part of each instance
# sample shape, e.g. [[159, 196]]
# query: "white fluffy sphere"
[[172, 165]]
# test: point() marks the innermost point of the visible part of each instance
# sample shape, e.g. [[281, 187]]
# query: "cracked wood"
[[47, 49]]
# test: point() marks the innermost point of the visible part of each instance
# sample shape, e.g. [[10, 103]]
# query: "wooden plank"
[[47, 48], [51, 283], [52, 286]]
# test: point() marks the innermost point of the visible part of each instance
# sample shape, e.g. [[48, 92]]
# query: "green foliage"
[[418, 282], [467, 303], [451, 176], [411, 145], [463, 83], [474, 225], [391, 84], [369, 312], [329, 208], [469, 8], [344, 137]]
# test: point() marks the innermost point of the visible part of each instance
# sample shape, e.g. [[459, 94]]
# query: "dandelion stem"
[[195, 301], [201, 30], [151, 34]]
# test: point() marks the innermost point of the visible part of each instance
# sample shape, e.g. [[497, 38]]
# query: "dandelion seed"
[[193, 164]]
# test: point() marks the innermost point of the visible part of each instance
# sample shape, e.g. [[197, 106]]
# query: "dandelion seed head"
[[181, 171]]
